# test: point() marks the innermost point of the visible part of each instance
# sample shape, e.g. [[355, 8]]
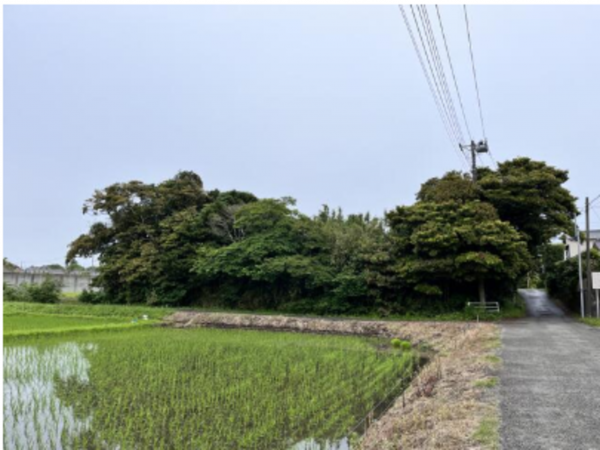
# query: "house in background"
[[572, 248]]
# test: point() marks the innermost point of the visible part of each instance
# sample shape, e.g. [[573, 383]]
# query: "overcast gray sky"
[[324, 104]]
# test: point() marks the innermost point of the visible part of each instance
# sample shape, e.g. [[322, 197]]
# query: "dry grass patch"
[[458, 414]]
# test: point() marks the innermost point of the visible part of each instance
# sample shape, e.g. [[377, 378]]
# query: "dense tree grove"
[[176, 243]]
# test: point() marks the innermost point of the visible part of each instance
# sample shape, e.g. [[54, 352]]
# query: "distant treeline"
[[175, 243]]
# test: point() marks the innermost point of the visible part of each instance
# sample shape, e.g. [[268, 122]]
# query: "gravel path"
[[550, 380]]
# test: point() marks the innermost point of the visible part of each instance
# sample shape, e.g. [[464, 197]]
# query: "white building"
[[572, 249]]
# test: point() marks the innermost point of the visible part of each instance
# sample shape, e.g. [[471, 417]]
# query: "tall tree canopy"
[[147, 236], [528, 194], [454, 186], [532, 197], [441, 246]]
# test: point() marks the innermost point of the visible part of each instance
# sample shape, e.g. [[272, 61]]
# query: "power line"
[[433, 73], [460, 155], [489, 153], [432, 42], [480, 159], [462, 108], [437, 76], [474, 71]]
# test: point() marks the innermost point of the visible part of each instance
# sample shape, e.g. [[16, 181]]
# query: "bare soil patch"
[[449, 405]]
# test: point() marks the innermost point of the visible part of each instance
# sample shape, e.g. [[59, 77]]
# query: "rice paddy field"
[[26, 324], [160, 388], [82, 310]]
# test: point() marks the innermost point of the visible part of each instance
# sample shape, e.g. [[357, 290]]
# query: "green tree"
[[275, 260], [453, 186], [74, 266], [550, 255], [528, 194], [441, 247], [8, 265], [147, 237], [532, 197], [358, 249]]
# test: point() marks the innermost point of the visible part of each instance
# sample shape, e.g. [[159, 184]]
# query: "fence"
[[69, 281]]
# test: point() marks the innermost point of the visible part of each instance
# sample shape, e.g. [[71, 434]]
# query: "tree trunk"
[[481, 291]]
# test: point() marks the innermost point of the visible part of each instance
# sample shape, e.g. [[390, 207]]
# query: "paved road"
[[550, 380]]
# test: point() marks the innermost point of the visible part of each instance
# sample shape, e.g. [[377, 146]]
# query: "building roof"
[[594, 235], [44, 269]]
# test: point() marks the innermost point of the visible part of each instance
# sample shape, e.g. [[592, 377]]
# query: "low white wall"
[[69, 282]]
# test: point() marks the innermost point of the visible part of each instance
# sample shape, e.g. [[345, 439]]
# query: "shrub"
[[14, 294], [92, 297], [46, 292], [400, 344]]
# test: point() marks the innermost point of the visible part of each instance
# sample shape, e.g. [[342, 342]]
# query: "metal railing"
[[491, 307]]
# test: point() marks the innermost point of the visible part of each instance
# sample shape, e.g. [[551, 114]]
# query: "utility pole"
[[474, 149], [473, 162], [588, 265], [581, 294]]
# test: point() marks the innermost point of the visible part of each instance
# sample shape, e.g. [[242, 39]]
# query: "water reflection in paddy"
[[34, 416]]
